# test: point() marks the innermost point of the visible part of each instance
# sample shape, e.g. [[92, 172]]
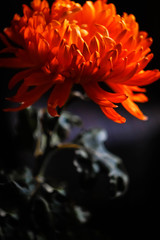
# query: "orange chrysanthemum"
[[71, 44]]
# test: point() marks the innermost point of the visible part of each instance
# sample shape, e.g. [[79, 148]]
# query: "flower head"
[[66, 44]]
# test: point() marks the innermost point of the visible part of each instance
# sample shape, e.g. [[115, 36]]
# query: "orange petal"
[[113, 115], [35, 4], [145, 60], [121, 35], [67, 33], [144, 78], [137, 89], [124, 76], [116, 97], [75, 34], [86, 52], [43, 47], [94, 44], [132, 108], [44, 4], [88, 11], [26, 11], [98, 95], [140, 97]]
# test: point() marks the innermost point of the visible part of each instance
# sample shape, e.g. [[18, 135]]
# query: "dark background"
[[136, 142]]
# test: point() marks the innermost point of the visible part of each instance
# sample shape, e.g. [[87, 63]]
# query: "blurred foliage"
[[55, 197]]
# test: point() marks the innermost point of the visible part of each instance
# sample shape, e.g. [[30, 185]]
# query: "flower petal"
[[27, 98], [22, 106], [37, 78], [18, 77], [102, 97], [59, 97], [14, 63], [5, 40], [131, 107], [24, 94], [144, 78], [113, 115], [140, 97]]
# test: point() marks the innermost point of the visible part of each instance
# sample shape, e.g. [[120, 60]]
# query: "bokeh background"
[[136, 142]]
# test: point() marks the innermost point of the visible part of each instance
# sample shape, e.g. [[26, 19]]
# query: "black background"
[[136, 142]]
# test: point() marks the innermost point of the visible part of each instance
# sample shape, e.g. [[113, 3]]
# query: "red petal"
[[25, 95], [21, 107], [59, 97], [14, 63], [97, 96], [4, 40], [27, 98], [41, 78], [18, 97], [37, 78], [8, 50], [18, 77]]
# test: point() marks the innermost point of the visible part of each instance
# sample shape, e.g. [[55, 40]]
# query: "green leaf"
[[93, 142]]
